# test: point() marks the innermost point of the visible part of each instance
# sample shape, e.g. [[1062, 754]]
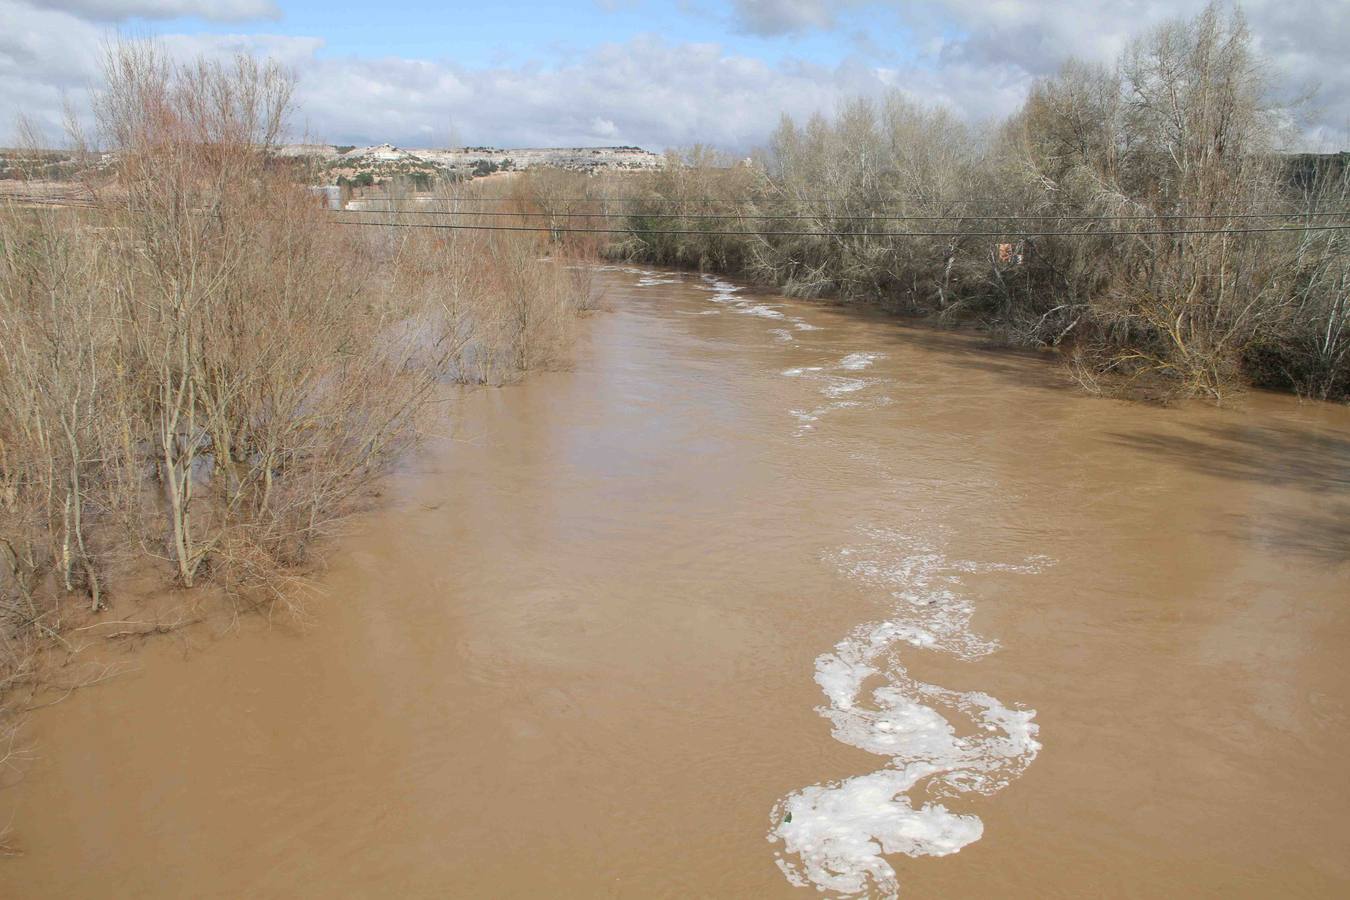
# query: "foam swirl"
[[836, 835]]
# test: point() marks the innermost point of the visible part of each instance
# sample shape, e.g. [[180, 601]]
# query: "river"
[[761, 596]]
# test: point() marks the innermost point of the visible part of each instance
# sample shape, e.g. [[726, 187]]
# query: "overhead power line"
[[789, 217], [1006, 234], [83, 202], [890, 201], [845, 218]]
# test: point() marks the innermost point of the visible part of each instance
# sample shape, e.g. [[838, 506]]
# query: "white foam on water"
[[856, 362], [755, 309], [726, 293], [807, 418], [718, 284], [803, 325], [631, 270], [836, 835], [841, 831], [719, 297], [835, 386], [838, 387], [653, 280]]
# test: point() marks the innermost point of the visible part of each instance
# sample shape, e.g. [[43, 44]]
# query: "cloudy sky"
[[657, 73]]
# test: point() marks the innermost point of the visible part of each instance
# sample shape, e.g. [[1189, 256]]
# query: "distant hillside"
[[386, 161]]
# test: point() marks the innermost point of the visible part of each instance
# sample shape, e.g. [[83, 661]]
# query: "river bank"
[[580, 649]]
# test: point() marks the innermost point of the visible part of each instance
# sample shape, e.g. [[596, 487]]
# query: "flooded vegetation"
[[203, 374], [1137, 218]]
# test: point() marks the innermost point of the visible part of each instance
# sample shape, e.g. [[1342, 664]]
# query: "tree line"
[[1125, 215]]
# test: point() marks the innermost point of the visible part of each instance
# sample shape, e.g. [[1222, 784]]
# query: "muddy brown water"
[[575, 655]]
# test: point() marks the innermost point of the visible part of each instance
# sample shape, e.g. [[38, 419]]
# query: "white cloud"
[[45, 57], [50, 58], [1304, 40], [978, 58], [644, 91], [120, 10], [604, 128], [773, 17]]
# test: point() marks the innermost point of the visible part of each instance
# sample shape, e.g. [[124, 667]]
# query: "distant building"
[[330, 195]]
